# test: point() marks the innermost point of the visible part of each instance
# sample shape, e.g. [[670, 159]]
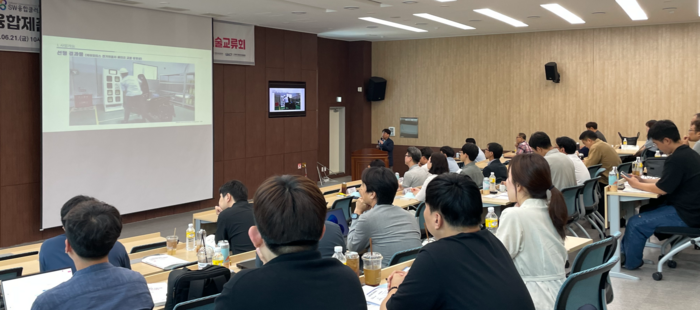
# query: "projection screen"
[[126, 107]]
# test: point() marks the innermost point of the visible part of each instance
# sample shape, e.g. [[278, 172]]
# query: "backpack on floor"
[[185, 284]]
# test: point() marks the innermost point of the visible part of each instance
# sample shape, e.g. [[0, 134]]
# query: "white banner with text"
[[20, 25], [234, 43]]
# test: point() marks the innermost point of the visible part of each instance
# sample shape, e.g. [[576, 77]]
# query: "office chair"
[[404, 256], [204, 303], [630, 140], [13, 256], [343, 203], [586, 287], [421, 219], [655, 166], [590, 205], [599, 172], [148, 247], [331, 192], [625, 167], [572, 196], [683, 238], [593, 169]]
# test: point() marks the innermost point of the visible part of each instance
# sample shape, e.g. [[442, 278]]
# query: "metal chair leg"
[[595, 225], [572, 231], [584, 231]]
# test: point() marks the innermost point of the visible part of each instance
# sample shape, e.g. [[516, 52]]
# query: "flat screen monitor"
[[20, 293], [287, 99]]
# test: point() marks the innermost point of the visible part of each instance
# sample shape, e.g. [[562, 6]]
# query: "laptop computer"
[[337, 216], [20, 293]]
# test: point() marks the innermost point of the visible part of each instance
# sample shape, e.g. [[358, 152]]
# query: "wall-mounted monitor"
[[287, 99]]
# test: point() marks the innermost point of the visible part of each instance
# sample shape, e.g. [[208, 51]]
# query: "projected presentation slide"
[[111, 85]]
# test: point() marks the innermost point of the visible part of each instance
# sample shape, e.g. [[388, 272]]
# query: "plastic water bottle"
[[189, 233], [492, 221], [657, 154], [492, 182], [218, 258], [612, 177], [624, 141], [199, 237], [202, 261], [225, 251], [339, 255], [397, 176], [486, 184]]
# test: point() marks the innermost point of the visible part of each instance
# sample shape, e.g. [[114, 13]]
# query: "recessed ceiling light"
[[409, 2], [598, 13], [391, 24], [352, 7], [495, 15], [444, 21], [563, 13], [632, 9], [298, 12], [533, 17]]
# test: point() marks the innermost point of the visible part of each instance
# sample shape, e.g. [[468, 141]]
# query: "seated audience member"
[[391, 228], [235, 217], [376, 163], [415, 176], [494, 151], [437, 166], [465, 268], [53, 256], [289, 215], [469, 153], [450, 155], [481, 156], [533, 231], [593, 126], [521, 144], [92, 228], [425, 156], [567, 146], [679, 184], [599, 153], [649, 146], [694, 135], [326, 246], [563, 171]]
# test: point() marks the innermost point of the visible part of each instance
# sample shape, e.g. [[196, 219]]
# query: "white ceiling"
[[330, 19]]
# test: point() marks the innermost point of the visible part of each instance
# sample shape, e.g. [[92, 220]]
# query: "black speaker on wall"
[[550, 69], [376, 89]]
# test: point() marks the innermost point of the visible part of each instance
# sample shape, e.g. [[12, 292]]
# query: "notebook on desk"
[[20, 293]]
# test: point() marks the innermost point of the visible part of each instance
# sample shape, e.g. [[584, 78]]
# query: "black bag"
[[184, 284]]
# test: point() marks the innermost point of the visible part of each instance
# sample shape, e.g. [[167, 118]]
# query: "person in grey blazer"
[[391, 228], [415, 176]]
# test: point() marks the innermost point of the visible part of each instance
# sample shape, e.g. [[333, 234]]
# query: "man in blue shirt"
[[52, 255], [386, 144], [92, 228]]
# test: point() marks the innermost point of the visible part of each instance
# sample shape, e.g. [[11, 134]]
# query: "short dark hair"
[[71, 203], [471, 150], [457, 198], [593, 125], [426, 152], [541, 140], [568, 144], [289, 212], [236, 189], [588, 135], [496, 149], [439, 164], [415, 153], [650, 123], [522, 136], [448, 151], [92, 228], [377, 163], [388, 132], [697, 115], [696, 125], [470, 140], [382, 182], [664, 129]]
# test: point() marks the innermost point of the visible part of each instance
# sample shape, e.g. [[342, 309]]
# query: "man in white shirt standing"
[[560, 166], [132, 92], [567, 146]]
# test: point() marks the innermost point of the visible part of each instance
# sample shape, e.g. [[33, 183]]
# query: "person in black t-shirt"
[[235, 217], [466, 268], [679, 183]]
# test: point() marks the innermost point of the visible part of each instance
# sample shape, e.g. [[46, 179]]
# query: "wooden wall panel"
[[234, 135], [492, 87], [235, 90]]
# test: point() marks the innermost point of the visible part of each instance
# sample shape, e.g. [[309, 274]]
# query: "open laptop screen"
[[20, 293], [337, 216]]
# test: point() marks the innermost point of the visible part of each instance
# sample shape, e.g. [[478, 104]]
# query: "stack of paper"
[[163, 261], [159, 292], [375, 295]]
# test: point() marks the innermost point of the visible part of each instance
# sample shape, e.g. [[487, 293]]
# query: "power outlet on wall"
[[359, 89], [299, 166]]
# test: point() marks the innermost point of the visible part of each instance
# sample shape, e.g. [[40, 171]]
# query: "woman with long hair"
[[437, 165], [533, 230]]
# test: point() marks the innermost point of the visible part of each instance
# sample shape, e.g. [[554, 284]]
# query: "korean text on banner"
[[234, 43], [20, 25]]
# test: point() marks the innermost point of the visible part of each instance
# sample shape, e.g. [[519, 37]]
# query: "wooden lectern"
[[360, 159]]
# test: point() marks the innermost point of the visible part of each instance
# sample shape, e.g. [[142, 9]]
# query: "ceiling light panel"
[[563, 13], [444, 21], [506, 19], [391, 24], [632, 9]]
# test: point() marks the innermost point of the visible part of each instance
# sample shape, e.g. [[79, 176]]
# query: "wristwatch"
[[354, 216]]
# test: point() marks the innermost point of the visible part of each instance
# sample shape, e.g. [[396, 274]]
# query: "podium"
[[361, 158]]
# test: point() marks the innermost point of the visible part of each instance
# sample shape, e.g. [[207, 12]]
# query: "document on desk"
[[163, 261], [375, 295], [630, 189], [159, 292], [503, 196]]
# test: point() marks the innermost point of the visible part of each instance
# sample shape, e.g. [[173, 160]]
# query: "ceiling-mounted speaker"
[[550, 70], [376, 89]]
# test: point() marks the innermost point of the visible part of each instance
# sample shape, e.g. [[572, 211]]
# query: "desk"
[[612, 200], [509, 155], [337, 186], [573, 244], [147, 270], [496, 203], [626, 152]]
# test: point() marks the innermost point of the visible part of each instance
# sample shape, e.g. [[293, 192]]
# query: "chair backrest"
[[9, 274], [586, 287], [590, 194], [597, 173], [419, 216], [331, 192], [655, 166], [343, 203], [593, 255], [204, 303], [404, 256], [593, 169], [571, 196], [625, 167], [148, 247], [13, 256], [630, 140]]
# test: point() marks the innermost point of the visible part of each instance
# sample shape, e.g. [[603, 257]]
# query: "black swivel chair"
[[148, 247], [655, 166], [344, 204], [630, 140], [404, 256]]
